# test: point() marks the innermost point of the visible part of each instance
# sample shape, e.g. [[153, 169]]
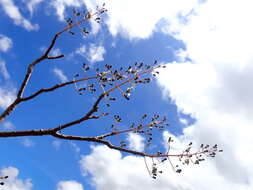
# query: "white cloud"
[[95, 27], [139, 19], [27, 142], [7, 96], [110, 170], [184, 121], [215, 88], [13, 12], [3, 69], [12, 182], [181, 55], [221, 117], [126, 17], [95, 53], [33, 4], [61, 5], [135, 142], [81, 50], [60, 75], [5, 43], [69, 185]]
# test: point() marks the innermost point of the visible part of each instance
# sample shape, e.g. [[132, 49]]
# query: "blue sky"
[[205, 91]]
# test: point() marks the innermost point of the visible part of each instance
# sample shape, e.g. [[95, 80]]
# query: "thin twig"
[[128, 130], [55, 57], [43, 90]]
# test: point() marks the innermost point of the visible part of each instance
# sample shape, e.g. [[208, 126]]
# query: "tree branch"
[[108, 144], [129, 130], [34, 132], [55, 57], [94, 139], [50, 89], [95, 105], [52, 132], [29, 71]]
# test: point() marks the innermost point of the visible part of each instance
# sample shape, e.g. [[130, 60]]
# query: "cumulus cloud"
[[5, 43], [221, 117], [111, 170], [139, 19], [214, 87], [13, 12], [33, 4], [184, 121], [3, 69], [60, 75], [61, 5], [126, 17], [13, 182], [69, 185], [136, 142], [211, 81], [7, 96], [95, 53], [81, 50]]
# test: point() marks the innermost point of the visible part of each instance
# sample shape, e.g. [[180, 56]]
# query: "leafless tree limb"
[[55, 57], [50, 89], [107, 143], [31, 66], [129, 130]]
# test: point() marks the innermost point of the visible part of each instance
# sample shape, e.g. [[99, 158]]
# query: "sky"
[[204, 91]]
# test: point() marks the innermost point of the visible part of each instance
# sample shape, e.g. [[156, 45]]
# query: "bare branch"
[[87, 116], [53, 132], [21, 133], [94, 139], [129, 130], [55, 57], [29, 71], [107, 143], [9, 109], [95, 105], [50, 89]]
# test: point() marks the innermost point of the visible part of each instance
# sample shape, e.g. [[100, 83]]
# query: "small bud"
[[178, 170]]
